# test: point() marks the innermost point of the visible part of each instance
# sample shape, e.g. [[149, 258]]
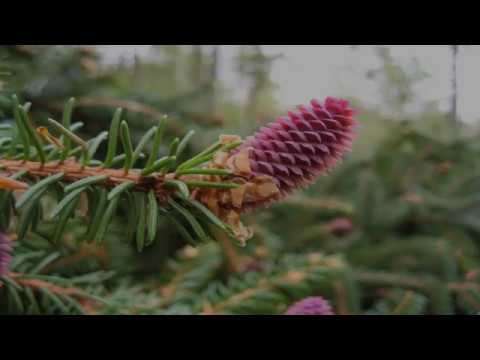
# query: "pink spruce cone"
[[296, 149], [311, 306], [340, 226], [5, 254], [281, 157]]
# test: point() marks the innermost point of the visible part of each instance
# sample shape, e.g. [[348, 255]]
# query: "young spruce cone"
[[311, 306], [297, 148], [283, 156]]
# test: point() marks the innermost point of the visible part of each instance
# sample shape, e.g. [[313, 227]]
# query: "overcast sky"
[[309, 71]]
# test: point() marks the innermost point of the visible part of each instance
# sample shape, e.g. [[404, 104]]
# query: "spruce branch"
[[28, 294], [227, 179], [267, 293]]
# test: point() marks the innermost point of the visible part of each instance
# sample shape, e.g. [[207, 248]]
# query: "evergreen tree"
[[111, 211]]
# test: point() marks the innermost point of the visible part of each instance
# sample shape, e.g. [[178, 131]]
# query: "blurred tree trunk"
[[454, 111], [137, 70], [214, 79], [173, 53], [198, 63], [255, 67], [257, 85], [171, 57]]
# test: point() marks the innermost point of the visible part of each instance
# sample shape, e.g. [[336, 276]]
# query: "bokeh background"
[[393, 230]]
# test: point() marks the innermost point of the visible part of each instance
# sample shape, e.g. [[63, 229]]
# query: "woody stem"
[[74, 172], [229, 251]]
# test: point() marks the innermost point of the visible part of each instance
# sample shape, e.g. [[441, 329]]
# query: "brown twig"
[[410, 282], [341, 296], [129, 105], [320, 204], [470, 299], [35, 284], [387, 279], [132, 106], [137, 107], [99, 253], [74, 171], [235, 299], [38, 284], [407, 299], [231, 256]]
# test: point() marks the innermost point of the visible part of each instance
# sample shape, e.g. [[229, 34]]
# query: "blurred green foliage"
[[393, 230]]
